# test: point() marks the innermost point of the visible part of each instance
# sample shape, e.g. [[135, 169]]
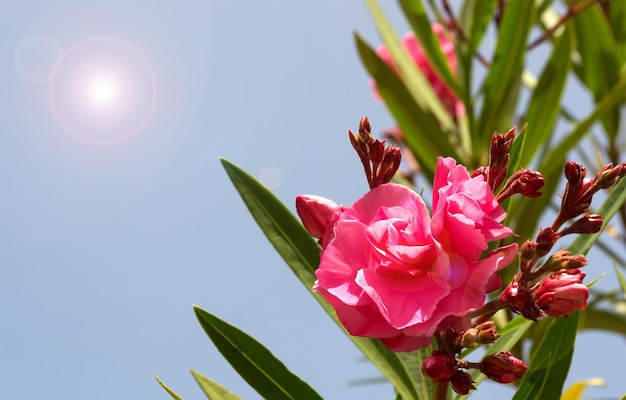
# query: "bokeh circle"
[[36, 56], [102, 90]]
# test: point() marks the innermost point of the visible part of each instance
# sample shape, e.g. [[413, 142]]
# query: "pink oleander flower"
[[316, 213], [454, 106], [562, 293], [391, 271]]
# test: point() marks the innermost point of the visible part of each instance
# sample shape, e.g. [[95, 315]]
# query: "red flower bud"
[[525, 182], [590, 223], [545, 241], [462, 382], [562, 293], [502, 367], [316, 213], [439, 367], [519, 298]]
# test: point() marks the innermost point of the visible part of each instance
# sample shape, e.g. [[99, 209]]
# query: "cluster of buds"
[[443, 367], [525, 181], [555, 288], [380, 161]]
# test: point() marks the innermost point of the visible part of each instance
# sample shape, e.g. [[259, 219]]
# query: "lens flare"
[[102, 91]]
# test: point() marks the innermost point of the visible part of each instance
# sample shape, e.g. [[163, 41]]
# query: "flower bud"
[[316, 213], [525, 182], [545, 241], [561, 260], [462, 382], [439, 367], [520, 300], [499, 153], [610, 175], [502, 367], [590, 223], [562, 293]]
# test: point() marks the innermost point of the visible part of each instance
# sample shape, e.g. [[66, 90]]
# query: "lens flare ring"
[[97, 93]]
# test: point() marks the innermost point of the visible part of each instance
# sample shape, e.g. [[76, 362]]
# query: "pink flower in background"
[[392, 272], [454, 106]]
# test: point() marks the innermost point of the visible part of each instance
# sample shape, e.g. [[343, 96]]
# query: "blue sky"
[[104, 248]]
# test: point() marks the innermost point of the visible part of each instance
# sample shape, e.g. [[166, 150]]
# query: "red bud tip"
[[502, 367], [439, 367], [562, 293]]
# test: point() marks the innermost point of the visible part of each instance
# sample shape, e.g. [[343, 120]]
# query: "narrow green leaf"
[[475, 17], [622, 281], [593, 318], [503, 79], [212, 389], [558, 342], [616, 95], [598, 55], [293, 243], [253, 362], [421, 131], [617, 20], [167, 389], [414, 80], [551, 362], [543, 109], [415, 13]]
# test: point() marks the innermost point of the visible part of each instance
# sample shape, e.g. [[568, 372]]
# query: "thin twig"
[[571, 11], [458, 28]]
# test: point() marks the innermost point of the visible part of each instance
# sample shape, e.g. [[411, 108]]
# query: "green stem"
[[441, 391]]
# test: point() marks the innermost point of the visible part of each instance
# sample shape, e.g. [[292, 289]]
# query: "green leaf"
[[552, 360], [543, 107], [167, 389], [415, 13], [421, 131], [598, 55], [616, 95], [475, 17], [293, 243], [502, 83], [605, 320], [212, 389], [617, 20], [621, 280], [413, 78], [253, 362]]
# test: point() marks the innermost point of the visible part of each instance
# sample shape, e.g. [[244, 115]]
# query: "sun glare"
[[102, 91]]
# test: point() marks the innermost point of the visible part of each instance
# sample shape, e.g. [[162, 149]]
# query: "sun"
[[102, 90]]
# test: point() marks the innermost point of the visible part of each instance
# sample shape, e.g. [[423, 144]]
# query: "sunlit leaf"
[[621, 280], [253, 362], [212, 389], [616, 95], [543, 107], [501, 86], [415, 81], [605, 320], [421, 131], [301, 253], [598, 55], [167, 389]]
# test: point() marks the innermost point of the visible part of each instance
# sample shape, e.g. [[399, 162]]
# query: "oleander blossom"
[[393, 272], [452, 104]]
